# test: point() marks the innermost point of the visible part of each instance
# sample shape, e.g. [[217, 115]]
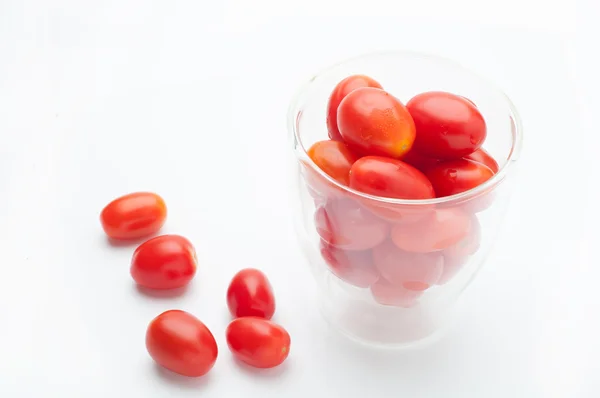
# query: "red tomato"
[[334, 158], [413, 271], [164, 262], [134, 216], [448, 126], [340, 91], [181, 343], [456, 176], [469, 244], [389, 178], [354, 267], [452, 265], [373, 122], [482, 156], [397, 296], [250, 294], [345, 224], [442, 229], [258, 342], [418, 161]]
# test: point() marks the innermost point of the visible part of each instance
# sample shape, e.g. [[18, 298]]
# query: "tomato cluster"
[[175, 339], [429, 148]]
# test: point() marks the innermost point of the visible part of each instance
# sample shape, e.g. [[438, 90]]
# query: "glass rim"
[[294, 112]]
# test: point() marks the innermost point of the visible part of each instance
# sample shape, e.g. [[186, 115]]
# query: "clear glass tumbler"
[[397, 267]]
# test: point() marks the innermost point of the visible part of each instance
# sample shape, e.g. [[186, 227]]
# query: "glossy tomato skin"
[[340, 91], [250, 294], [164, 262], [418, 161], [134, 216], [373, 122], [482, 156], [180, 342], [448, 126], [347, 225], [412, 271], [334, 158], [456, 176], [441, 229], [258, 342], [352, 266], [390, 178]]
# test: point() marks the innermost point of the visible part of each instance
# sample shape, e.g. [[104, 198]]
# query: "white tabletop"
[[190, 102]]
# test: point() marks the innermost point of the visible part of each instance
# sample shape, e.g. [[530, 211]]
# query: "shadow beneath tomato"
[[263, 373], [182, 381], [162, 294]]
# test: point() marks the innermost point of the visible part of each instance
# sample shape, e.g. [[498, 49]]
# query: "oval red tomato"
[[482, 156], [180, 342], [134, 216], [345, 224], [456, 176], [418, 161], [352, 266], [439, 230], [250, 294], [397, 296], [164, 262], [469, 244], [448, 126], [340, 91], [334, 158], [413, 271], [373, 122], [390, 178], [258, 342]]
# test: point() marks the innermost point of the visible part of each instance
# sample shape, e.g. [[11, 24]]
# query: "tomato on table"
[[346, 224], [134, 216], [250, 294], [439, 230], [482, 156], [352, 266], [164, 262], [340, 91], [448, 126], [412, 271], [456, 176], [258, 342], [385, 293], [373, 122], [180, 342]]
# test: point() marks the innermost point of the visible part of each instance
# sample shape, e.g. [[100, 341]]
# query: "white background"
[[188, 99]]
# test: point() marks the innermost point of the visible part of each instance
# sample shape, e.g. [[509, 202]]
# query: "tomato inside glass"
[[456, 176], [352, 266]]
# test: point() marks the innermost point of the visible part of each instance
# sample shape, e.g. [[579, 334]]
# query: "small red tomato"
[[351, 266], [335, 159], [164, 262], [452, 265], [482, 156], [418, 161], [448, 125], [134, 216], [250, 294], [469, 244], [440, 230], [413, 271], [456, 176], [180, 342], [397, 296], [390, 178], [258, 342], [340, 91], [373, 122], [345, 224]]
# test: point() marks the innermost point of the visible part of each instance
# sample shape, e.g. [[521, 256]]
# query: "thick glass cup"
[[389, 271]]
